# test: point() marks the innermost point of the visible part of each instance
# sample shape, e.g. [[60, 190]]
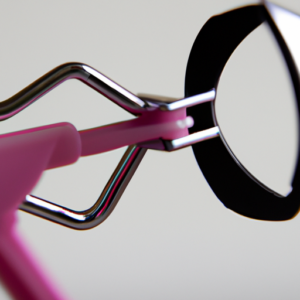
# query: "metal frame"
[[219, 37], [123, 173], [55, 77], [104, 205], [215, 158]]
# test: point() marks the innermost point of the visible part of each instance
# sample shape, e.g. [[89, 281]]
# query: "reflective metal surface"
[[112, 192], [192, 139], [127, 166], [101, 209], [176, 144], [79, 71], [169, 104], [108, 199]]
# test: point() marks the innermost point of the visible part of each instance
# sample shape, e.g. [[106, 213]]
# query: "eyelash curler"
[[161, 124], [26, 154]]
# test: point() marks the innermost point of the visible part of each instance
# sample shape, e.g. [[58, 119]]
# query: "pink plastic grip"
[[149, 126], [26, 154], [23, 158]]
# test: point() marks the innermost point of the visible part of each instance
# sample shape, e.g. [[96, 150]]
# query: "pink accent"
[[19, 271], [26, 154], [149, 126]]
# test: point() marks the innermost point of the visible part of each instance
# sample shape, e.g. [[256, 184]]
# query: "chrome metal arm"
[[176, 144], [116, 185], [169, 104], [101, 209], [79, 71], [191, 139]]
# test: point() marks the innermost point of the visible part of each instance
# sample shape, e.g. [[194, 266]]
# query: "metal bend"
[[101, 209], [120, 178], [79, 71]]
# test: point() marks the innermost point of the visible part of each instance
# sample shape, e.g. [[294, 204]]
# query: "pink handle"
[[19, 271], [151, 125], [26, 154]]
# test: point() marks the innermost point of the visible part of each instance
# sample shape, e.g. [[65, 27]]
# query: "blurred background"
[[169, 237]]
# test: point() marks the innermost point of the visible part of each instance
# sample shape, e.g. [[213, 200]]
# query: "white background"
[[169, 237]]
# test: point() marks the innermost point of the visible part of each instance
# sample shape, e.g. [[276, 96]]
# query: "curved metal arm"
[[101, 209], [79, 71], [116, 185], [111, 194]]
